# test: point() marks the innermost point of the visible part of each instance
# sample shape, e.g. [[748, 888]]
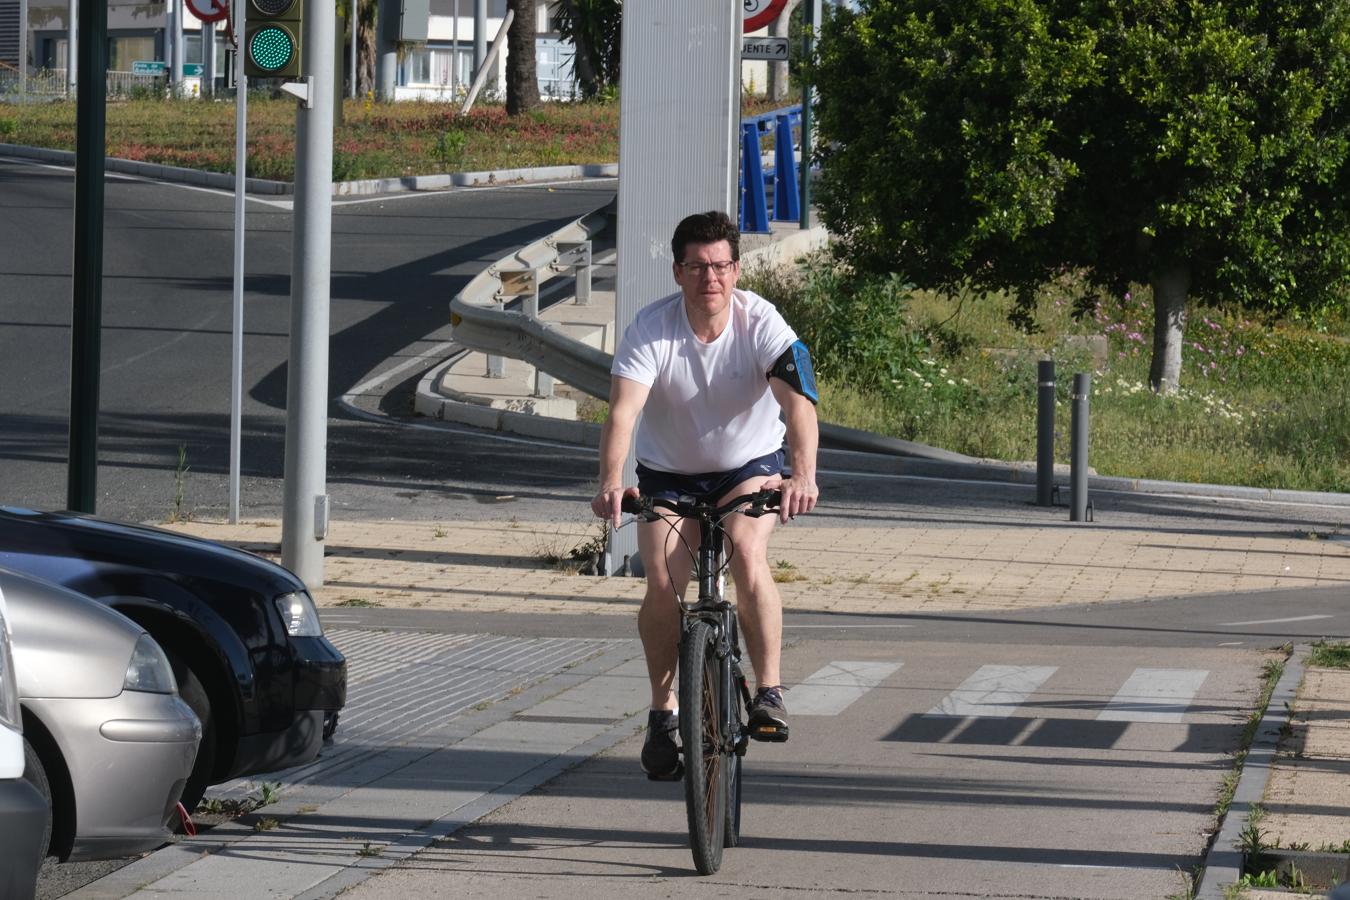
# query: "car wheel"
[[194, 695], [36, 775]]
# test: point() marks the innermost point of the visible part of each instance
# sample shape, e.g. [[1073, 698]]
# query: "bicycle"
[[711, 680]]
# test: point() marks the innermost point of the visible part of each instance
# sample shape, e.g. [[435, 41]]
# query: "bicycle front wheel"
[[707, 760]]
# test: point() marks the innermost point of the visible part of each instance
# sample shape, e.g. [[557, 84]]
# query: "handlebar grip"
[[631, 504]]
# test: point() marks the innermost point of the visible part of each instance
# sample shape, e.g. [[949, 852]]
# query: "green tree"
[[522, 78], [594, 28], [1200, 146]]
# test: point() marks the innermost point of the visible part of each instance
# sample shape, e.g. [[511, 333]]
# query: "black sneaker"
[[768, 715], [661, 752]]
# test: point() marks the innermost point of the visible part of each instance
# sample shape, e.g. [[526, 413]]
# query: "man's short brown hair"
[[706, 228]]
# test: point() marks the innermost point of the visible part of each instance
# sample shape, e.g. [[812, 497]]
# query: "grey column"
[[480, 41], [671, 52], [305, 499], [208, 59], [72, 35]]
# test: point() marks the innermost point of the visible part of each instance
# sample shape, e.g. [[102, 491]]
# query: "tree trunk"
[[365, 81], [778, 71], [583, 52], [522, 82], [1170, 286]]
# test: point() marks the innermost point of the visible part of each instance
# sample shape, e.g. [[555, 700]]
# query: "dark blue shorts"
[[709, 486]]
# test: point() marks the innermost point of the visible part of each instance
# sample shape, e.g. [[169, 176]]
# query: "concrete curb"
[[1223, 862], [225, 180], [178, 174]]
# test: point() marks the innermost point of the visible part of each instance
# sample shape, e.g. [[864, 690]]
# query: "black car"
[[242, 633]]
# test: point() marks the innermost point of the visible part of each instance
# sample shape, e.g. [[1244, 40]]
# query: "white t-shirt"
[[710, 408]]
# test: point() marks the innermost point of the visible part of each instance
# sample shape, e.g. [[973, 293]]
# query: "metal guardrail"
[[480, 320], [783, 178]]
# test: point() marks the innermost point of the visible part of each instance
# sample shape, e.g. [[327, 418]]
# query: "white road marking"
[[1277, 621], [786, 627], [1232, 643], [993, 691], [1154, 695], [830, 690]]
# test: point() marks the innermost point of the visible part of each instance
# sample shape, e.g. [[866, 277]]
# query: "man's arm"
[[626, 399], [803, 435]]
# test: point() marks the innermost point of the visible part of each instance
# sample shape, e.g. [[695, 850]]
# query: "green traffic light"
[[271, 48]]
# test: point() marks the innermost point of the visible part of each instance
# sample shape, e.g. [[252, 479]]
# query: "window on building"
[[123, 51]]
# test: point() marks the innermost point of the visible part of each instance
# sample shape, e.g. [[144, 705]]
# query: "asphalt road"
[[397, 260]]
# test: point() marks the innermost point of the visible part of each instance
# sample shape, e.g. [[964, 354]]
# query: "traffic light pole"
[[305, 503]]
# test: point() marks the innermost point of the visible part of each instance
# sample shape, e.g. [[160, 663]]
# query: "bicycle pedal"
[[771, 734], [676, 775]]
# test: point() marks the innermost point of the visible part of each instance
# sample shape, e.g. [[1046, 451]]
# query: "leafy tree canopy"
[[1202, 146]]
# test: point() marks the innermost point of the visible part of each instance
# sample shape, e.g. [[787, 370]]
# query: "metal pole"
[[479, 33], [356, 55], [811, 16], [1045, 432], [87, 265], [208, 59], [237, 325], [305, 498], [23, 51], [1078, 483], [72, 37], [454, 54]]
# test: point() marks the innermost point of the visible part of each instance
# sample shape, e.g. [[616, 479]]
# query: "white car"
[[23, 811]]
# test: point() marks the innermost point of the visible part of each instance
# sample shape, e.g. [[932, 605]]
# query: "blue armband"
[[794, 367]]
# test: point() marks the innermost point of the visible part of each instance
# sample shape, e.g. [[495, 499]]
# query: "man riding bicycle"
[[709, 367]]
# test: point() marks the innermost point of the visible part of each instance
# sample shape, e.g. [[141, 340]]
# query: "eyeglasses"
[[719, 268]]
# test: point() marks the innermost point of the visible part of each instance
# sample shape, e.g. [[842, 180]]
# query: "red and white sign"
[[759, 13], [208, 10]]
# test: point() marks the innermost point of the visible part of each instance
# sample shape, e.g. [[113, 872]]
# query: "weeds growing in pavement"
[[1329, 655], [179, 485]]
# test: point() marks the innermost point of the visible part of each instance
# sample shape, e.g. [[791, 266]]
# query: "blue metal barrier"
[[783, 177]]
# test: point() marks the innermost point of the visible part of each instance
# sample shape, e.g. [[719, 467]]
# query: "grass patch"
[[1328, 655], [358, 602], [1262, 400], [1270, 676], [785, 572], [374, 140]]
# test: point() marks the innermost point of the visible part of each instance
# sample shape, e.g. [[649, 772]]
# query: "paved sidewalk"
[[511, 565]]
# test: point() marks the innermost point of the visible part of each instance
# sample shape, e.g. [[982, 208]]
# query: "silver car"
[[23, 812], [107, 739]]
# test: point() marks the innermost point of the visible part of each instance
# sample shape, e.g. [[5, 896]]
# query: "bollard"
[[1045, 432], [1079, 508]]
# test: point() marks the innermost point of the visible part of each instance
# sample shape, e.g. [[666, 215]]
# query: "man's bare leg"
[[667, 564]]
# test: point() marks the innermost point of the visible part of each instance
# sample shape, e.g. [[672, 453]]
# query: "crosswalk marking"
[[993, 691], [1154, 695], [831, 689]]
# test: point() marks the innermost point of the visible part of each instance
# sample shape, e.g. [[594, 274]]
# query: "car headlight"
[[149, 669], [298, 612], [9, 687]]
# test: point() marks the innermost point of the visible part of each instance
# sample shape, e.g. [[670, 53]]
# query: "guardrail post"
[[577, 256], [786, 197], [496, 365], [1045, 432], [754, 205], [1080, 509]]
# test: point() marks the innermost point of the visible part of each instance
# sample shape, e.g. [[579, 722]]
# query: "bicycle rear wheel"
[[707, 763]]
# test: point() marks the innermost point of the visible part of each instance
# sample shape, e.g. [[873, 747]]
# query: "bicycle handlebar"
[[760, 502]]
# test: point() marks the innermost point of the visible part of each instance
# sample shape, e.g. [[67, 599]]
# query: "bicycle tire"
[[731, 835], [706, 772]]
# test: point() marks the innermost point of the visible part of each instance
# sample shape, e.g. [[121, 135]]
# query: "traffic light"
[[272, 38]]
